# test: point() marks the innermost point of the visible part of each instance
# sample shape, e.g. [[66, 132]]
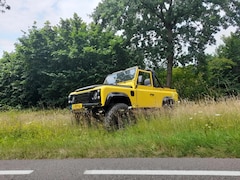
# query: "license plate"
[[76, 106]]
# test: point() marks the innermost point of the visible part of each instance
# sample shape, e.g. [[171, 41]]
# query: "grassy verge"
[[206, 129]]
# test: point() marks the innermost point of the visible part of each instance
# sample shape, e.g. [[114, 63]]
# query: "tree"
[[52, 61], [230, 50], [11, 80], [169, 31], [224, 68], [221, 79], [4, 6], [190, 83]]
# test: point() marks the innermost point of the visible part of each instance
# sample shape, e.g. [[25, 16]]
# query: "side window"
[[144, 78]]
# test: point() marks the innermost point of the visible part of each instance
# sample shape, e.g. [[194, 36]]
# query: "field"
[[203, 129]]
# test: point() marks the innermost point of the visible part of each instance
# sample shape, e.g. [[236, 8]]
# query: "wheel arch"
[[117, 97]]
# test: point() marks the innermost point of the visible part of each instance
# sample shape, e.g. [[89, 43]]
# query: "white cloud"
[[23, 13]]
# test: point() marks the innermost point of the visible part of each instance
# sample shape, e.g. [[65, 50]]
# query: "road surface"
[[127, 168]]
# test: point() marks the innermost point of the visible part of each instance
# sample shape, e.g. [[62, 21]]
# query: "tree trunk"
[[169, 70], [170, 56]]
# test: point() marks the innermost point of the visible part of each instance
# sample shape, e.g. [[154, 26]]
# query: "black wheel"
[[77, 118], [96, 115], [117, 117], [82, 118], [168, 104]]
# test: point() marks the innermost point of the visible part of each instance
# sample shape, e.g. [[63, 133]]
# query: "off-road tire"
[[168, 104], [82, 119], [117, 117]]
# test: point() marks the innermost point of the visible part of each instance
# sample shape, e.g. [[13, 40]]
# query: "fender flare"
[[113, 95]]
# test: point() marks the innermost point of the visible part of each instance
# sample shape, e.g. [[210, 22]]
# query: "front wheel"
[[117, 117], [82, 118]]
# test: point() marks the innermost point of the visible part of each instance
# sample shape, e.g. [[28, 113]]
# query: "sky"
[[23, 13]]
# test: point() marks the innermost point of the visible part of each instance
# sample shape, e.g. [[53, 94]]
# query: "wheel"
[[168, 104], [117, 117], [96, 115], [82, 118], [77, 117]]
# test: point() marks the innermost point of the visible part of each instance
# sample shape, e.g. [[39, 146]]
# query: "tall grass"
[[203, 129]]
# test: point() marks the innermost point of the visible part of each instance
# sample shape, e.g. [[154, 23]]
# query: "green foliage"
[[4, 6], [231, 50], [168, 31], [190, 83], [221, 78], [216, 76], [11, 81], [223, 69], [50, 62]]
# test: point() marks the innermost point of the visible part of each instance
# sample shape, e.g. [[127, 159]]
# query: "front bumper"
[[82, 106]]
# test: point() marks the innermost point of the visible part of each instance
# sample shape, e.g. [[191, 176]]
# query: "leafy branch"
[[4, 6]]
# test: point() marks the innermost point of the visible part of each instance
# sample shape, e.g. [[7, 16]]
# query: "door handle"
[[151, 94]]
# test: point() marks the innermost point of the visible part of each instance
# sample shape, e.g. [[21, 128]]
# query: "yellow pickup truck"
[[121, 92]]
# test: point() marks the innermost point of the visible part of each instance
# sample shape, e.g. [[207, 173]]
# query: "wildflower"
[[208, 126]]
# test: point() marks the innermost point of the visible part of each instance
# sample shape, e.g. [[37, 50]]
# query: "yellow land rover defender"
[[121, 92]]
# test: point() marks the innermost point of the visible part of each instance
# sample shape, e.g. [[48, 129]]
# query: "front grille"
[[82, 98], [85, 98]]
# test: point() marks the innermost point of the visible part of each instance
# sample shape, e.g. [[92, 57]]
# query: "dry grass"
[[202, 129]]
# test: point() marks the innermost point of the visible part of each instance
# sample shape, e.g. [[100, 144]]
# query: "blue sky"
[[24, 12]]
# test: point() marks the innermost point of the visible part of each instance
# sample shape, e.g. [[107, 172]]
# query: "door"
[[144, 91]]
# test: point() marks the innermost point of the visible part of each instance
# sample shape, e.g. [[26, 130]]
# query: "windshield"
[[120, 76]]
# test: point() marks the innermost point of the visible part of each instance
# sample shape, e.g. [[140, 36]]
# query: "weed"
[[202, 129]]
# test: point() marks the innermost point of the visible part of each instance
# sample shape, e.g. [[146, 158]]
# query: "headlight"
[[71, 99], [96, 95]]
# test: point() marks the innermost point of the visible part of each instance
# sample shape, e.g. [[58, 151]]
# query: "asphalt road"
[[128, 168]]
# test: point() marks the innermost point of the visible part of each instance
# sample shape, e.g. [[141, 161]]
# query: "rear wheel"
[[168, 103], [117, 117]]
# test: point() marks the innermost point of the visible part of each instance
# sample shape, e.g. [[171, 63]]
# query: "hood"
[[98, 85], [88, 87]]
